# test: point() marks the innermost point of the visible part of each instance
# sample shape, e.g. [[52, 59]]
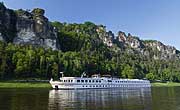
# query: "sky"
[[147, 19]]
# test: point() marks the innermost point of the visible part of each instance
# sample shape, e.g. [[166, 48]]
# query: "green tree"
[[128, 72], [150, 76]]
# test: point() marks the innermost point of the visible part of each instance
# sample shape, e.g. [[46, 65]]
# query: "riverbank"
[[24, 85], [168, 84], [47, 85]]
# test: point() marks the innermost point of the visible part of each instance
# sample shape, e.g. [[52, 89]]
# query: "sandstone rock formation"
[[23, 27], [132, 43], [7, 23]]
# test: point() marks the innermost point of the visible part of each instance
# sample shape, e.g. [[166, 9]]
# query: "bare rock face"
[[164, 51], [131, 41], [134, 42], [146, 48], [24, 27], [108, 39], [34, 28], [121, 36], [7, 24]]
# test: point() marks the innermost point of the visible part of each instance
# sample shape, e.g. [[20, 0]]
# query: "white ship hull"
[[97, 83]]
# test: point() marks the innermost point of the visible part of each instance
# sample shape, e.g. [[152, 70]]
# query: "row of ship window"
[[111, 85], [99, 81], [89, 81]]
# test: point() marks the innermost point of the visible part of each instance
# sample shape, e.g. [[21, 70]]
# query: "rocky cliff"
[[7, 24], [151, 48], [24, 27]]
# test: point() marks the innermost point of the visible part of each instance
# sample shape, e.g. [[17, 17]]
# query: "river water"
[[155, 98]]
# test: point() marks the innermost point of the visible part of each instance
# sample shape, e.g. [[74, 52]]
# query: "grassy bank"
[[47, 85], [169, 84], [24, 85]]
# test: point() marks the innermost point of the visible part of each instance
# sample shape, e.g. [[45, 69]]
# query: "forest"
[[82, 51]]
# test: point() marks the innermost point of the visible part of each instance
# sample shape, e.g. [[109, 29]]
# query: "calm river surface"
[[156, 98]]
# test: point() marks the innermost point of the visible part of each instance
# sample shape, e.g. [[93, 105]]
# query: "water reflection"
[[124, 99]]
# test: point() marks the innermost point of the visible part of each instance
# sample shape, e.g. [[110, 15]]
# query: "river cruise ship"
[[97, 82]]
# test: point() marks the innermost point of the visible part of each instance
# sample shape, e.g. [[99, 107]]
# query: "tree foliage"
[[82, 50]]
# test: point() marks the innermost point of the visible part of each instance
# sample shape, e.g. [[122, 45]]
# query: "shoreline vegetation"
[[23, 84], [18, 85], [167, 84]]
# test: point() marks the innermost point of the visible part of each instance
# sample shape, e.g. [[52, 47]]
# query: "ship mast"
[[62, 74]]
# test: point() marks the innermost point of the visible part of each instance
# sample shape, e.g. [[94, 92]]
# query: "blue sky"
[[147, 19]]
